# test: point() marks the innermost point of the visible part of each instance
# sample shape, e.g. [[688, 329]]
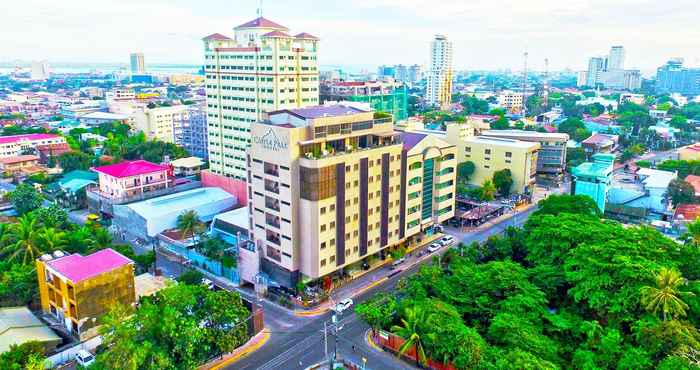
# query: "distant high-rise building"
[[616, 58], [415, 74], [596, 66], [672, 77], [582, 78], [40, 70], [262, 69], [138, 65], [439, 87]]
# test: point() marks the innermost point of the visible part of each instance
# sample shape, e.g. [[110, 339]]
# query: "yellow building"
[[160, 122], [327, 189], [78, 290], [494, 154], [689, 153]]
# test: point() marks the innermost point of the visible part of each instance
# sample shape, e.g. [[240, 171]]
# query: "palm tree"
[[666, 295], [52, 239], [408, 330], [189, 224], [25, 240], [102, 238]]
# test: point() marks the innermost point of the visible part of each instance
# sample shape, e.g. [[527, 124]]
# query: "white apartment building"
[[40, 70], [159, 122], [261, 69], [439, 86], [511, 101]]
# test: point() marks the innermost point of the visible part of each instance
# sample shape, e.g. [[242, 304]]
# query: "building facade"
[[261, 69], [551, 158], [78, 290], [594, 178], [438, 91], [382, 96], [191, 133], [14, 145], [159, 123], [511, 101], [672, 77], [131, 179], [138, 63], [329, 187], [490, 154]]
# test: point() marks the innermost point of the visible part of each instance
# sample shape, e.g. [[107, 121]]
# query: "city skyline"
[[486, 36]]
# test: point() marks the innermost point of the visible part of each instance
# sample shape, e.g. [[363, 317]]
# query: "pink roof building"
[[132, 178], [261, 22], [78, 268], [14, 145]]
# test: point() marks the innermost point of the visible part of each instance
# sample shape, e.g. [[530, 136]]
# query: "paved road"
[[297, 343]]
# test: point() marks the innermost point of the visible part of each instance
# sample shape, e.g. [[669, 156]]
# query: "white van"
[[447, 240], [84, 358]]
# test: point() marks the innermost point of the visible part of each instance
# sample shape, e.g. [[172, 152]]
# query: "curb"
[[244, 352], [321, 311], [370, 341]]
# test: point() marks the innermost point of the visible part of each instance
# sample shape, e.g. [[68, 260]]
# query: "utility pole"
[[545, 92], [325, 340]]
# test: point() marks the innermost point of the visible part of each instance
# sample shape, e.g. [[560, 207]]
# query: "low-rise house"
[[189, 166], [77, 290], [600, 143], [689, 153], [47, 151], [18, 325], [594, 178], [13, 166], [695, 182]]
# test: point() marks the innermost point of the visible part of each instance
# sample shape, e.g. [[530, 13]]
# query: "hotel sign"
[[270, 141]]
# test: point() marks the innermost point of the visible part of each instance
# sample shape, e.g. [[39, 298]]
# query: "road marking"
[[246, 351]]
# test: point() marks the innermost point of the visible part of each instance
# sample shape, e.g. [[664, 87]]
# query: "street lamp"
[[364, 363]]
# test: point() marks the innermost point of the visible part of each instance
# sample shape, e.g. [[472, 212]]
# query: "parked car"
[[396, 263], [208, 283], [434, 247], [343, 305], [84, 358], [447, 240]]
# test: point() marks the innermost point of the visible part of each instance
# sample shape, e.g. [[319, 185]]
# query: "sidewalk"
[[368, 280], [252, 345]]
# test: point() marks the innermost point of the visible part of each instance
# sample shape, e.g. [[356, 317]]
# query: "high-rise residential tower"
[[40, 70], [439, 86], [261, 69], [616, 58], [596, 66], [138, 64]]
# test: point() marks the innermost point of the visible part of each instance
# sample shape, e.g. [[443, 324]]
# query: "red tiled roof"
[[77, 268], [130, 168], [695, 147], [600, 139], [27, 137], [19, 159], [216, 36], [688, 212], [349, 83], [276, 34], [695, 181], [307, 36], [261, 22]]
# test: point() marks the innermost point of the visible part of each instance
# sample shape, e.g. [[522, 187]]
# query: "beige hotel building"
[[331, 185]]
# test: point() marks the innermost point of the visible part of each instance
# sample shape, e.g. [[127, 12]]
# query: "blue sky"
[[489, 34]]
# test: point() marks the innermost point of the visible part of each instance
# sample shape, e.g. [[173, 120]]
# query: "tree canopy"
[[569, 290]]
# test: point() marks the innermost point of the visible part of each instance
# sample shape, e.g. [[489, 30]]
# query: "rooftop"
[[130, 168], [237, 217], [503, 142], [261, 22], [656, 178], [411, 139], [216, 36], [105, 115], [695, 181], [524, 133], [200, 199], [18, 325], [688, 212], [26, 137], [306, 36], [277, 34], [19, 159], [602, 166], [188, 162], [77, 268], [320, 111], [601, 139]]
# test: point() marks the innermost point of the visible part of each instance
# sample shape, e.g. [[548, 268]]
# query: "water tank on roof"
[[58, 254], [46, 257]]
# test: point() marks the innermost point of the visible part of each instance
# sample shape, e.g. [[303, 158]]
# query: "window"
[[332, 208], [509, 154], [415, 166], [323, 228], [323, 262], [323, 245], [487, 151], [323, 210], [332, 259]]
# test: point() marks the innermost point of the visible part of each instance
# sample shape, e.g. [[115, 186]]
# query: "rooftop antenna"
[[260, 8]]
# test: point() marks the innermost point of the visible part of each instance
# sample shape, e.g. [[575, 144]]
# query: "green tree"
[[18, 285], [75, 160], [680, 191], [191, 277], [575, 128], [576, 204], [502, 123], [378, 312], [51, 239], [25, 198], [464, 170], [189, 224], [408, 330], [666, 296], [25, 241], [102, 238], [488, 190], [503, 181], [21, 357], [52, 216]]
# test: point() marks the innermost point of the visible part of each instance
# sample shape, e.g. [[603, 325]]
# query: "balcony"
[[272, 220], [273, 237], [272, 203], [272, 186]]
